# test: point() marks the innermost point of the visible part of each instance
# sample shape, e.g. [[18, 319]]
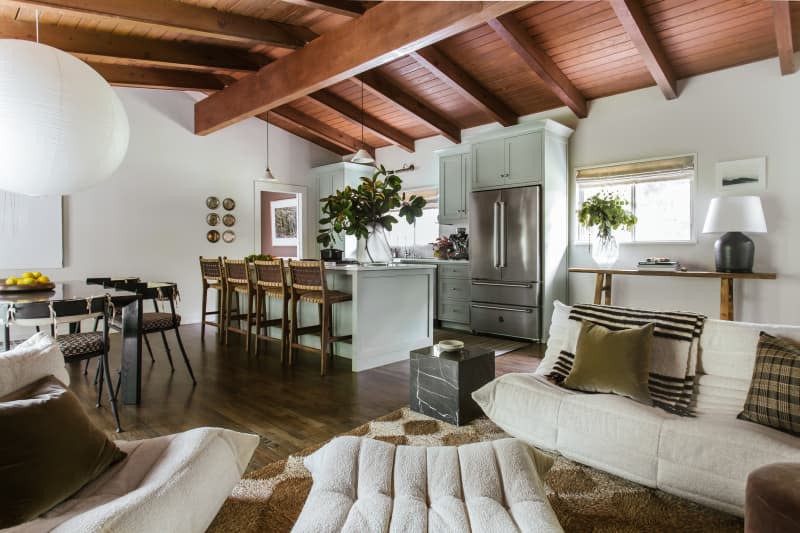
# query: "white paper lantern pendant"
[[62, 127]]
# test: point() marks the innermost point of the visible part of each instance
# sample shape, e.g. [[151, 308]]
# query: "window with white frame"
[[659, 192], [423, 231]]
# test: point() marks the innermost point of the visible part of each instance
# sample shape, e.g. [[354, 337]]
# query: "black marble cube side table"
[[441, 383]]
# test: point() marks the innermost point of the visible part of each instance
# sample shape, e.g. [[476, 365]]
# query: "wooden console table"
[[602, 287]]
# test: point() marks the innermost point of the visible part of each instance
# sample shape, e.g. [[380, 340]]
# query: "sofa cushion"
[[173, 483], [524, 406], [30, 361], [363, 484], [708, 458], [49, 450], [612, 433], [560, 326], [774, 396], [615, 362]]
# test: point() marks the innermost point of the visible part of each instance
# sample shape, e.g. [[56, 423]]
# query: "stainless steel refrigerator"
[[505, 262]]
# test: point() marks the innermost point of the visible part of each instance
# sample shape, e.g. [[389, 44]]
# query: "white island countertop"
[[432, 261], [376, 268]]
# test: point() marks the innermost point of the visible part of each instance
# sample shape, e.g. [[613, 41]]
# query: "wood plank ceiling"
[[542, 56]]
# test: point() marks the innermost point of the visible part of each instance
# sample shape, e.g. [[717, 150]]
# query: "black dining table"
[[129, 302]]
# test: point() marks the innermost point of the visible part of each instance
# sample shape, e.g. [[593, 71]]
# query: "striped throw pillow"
[[774, 396]]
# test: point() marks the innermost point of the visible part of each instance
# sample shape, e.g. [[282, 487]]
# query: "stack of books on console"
[[658, 263]]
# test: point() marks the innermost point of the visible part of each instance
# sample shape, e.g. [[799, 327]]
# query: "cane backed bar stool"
[[213, 275], [271, 283], [75, 347], [309, 285], [238, 282]]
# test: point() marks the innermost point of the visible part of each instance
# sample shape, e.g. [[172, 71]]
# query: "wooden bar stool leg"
[[324, 319], [285, 334], [293, 337], [248, 326], [204, 312], [260, 297], [228, 310]]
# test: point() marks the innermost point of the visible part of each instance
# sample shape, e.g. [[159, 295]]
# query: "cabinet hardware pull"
[[505, 284]]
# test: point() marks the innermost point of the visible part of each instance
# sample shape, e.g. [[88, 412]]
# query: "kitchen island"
[[391, 313]]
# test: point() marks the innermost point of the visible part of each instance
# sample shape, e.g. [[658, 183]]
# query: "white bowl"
[[450, 345]]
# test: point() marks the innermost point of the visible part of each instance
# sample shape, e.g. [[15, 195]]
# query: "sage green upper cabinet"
[[335, 177], [453, 188], [489, 166], [508, 161], [524, 158]]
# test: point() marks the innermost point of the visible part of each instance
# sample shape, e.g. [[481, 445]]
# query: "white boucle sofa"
[[705, 459], [174, 483]]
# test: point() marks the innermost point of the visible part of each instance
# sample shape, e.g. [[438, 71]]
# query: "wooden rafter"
[[347, 8], [303, 133], [377, 37], [153, 78], [320, 129], [388, 90], [782, 17], [185, 18], [104, 47], [517, 37], [634, 21], [353, 114], [463, 83]]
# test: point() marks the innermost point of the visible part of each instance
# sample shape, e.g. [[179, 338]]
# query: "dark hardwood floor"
[[291, 408]]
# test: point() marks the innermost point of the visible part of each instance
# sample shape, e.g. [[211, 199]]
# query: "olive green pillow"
[[49, 449], [612, 361]]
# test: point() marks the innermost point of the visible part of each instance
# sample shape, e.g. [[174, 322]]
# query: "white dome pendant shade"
[[62, 127]]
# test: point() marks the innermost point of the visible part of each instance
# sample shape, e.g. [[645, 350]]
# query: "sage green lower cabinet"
[[453, 296]]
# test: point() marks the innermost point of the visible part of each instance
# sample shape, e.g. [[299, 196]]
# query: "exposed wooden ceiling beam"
[[783, 34], [518, 38], [385, 88], [347, 8], [383, 33], [464, 84], [353, 114], [185, 18], [321, 129], [303, 133], [153, 78], [634, 21], [98, 46]]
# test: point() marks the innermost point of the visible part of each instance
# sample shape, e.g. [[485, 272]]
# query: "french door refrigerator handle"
[[498, 308], [495, 231], [502, 234], [503, 284]]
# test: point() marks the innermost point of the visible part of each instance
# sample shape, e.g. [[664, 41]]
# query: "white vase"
[[375, 248], [604, 250]]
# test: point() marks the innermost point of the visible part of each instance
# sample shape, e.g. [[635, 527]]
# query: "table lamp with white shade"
[[731, 216]]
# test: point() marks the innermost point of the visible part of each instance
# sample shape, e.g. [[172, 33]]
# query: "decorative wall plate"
[[212, 219], [229, 220], [228, 236], [212, 236], [228, 204], [212, 202]]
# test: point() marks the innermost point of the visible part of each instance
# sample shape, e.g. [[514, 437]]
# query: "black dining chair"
[[75, 347]]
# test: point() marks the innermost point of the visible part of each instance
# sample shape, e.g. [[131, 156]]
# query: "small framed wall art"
[[742, 177]]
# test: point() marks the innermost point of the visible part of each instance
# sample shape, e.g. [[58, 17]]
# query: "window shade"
[[678, 167], [431, 196]]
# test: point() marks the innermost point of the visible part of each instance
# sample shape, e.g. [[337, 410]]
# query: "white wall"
[[148, 220], [737, 113]]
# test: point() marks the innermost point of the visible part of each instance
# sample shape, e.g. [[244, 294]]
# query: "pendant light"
[[362, 156], [62, 127], [267, 172]]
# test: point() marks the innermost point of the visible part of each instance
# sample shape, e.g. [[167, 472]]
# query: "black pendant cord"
[[362, 114], [267, 121]]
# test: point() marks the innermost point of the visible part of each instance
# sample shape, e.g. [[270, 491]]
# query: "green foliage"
[[259, 257], [606, 211], [354, 210]]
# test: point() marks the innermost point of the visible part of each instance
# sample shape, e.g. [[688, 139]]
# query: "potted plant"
[[364, 212], [607, 211]]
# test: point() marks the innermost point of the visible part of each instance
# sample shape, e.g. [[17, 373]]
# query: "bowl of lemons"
[[28, 281]]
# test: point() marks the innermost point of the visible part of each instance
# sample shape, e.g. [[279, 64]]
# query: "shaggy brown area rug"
[[585, 499]]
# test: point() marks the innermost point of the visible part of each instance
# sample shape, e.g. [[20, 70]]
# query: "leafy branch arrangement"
[[355, 211], [606, 211]]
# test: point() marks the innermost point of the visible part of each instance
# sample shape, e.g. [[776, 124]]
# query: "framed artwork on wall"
[[741, 177], [283, 217]]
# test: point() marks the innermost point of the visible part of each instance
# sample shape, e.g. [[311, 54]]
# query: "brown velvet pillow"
[[49, 449], [612, 361]]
